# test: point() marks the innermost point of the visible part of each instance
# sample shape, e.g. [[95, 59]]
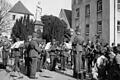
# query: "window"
[[118, 5], [79, 1], [118, 26], [13, 17], [99, 27], [87, 30], [118, 1], [99, 16], [99, 5], [87, 10], [74, 1], [77, 13]]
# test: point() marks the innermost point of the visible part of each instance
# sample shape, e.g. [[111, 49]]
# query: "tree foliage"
[[53, 28], [22, 28], [5, 20]]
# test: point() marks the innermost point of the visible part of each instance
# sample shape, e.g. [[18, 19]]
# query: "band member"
[[116, 75], [78, 40], [53, 58], [17, 57], [26, 55], [33, 54], [5, 53], [44, 53], [40, 57], [64, 54]]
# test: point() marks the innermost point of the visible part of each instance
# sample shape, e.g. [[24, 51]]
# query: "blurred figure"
[[33, 54], [5, 53], [53, 57], [63, 55], [40, 56], [44, 53], [17, 57], [78, 40], [117, 64], [26, 55]]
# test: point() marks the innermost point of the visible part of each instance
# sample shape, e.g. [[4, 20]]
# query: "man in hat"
[[26, 55], [78, 40], [53, 58], [17, 56], [117, 66], [5, 53], [33, 54]]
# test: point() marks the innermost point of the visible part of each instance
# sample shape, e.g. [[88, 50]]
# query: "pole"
[[114, 21]]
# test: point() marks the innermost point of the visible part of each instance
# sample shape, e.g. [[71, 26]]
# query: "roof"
[[20, 8], [69, 16]]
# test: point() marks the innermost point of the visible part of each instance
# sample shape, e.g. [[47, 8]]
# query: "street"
[[45, 75]]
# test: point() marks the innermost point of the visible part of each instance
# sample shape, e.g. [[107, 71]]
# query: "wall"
[[118, 33], [113, 23], [106, 21]]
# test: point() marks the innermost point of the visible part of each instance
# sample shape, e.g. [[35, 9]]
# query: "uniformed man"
[[17, 57], [26, 55], [44, 55], [40, 57], [64, 54], [5, 53], [53, 55], [78, 40], [116, 75], [33, 54]]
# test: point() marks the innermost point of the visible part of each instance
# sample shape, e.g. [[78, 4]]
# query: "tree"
[[5, 20], [53, 28], [22, 28]]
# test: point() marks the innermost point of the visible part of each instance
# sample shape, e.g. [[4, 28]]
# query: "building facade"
[[97, 17]]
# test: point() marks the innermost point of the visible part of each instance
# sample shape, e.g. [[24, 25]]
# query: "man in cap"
[[78, 40], [17, 56], [53, 55], [33, 54], [117, 66], [26, 55], [5, 53]]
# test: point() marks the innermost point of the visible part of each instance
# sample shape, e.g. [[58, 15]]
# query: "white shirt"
[[48, 45], [100, 60], [17, 44]]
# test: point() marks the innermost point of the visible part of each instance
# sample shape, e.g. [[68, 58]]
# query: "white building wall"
[[113, 21], [118, 32]]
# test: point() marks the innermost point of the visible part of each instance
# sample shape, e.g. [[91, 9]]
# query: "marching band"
[[84, 58]]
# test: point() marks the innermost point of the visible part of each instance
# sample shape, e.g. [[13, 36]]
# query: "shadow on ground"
[[2, 66], [60, 72]]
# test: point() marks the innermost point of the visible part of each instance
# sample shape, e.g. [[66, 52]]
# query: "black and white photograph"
[[59, 39]]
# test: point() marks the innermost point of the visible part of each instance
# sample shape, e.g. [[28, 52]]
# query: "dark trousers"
[[89, 65], [83, 60], [33, 66], [17, 64], [44, 59], [5, 60], [63, 62], [77, 64], [40, 63], [53, 61], [27, 65]]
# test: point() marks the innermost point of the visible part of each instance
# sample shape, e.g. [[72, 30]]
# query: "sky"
[[49, 7]]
